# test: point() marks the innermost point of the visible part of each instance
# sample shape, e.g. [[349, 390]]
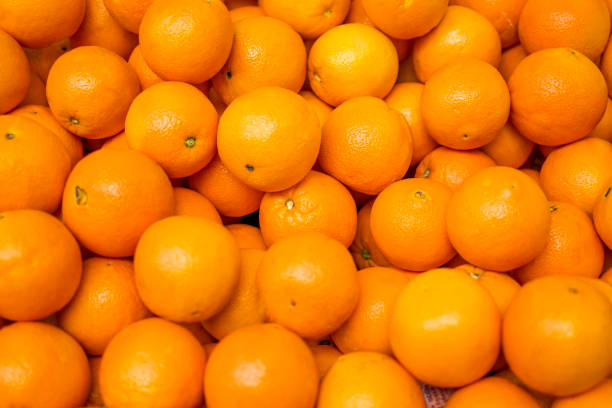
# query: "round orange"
[[599, 396], [247, 236], [145, 75], [603, 129], [37, 93], [15, 80], [510, 59], [602, 215], [128, 13], [41, 59], [325, 356], [509, 148], [194, 204], [321, 109], [364, 249], [491, 392], [241, 13], [500, 286]]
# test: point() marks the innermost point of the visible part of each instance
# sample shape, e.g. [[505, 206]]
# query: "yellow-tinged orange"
[[491, 392], [500, 286], [599, 396]]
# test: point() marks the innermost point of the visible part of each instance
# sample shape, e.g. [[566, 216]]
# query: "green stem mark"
[[365, 254], [80, 196], [190, 142], [426, 173], [289, 204], [327, 12], [74, 120]]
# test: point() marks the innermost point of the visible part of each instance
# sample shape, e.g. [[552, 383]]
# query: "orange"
[[406, 71], [105, 302], [111, 197], [245, 306], [41, 59], [607, 276], [445, 328], [39, 23], [500, 286], [352, 60], [534, 174], [452, 167], [36, 92], [230, 196], [367, 328], [269, 138], [153, 363], [602, 286], [41, 265], [194, 204], [510, 59], [90, 90], [308, 283], [266, 52], [366, 145], [199, 333], [558, 96], [583, 26], [369, 379], [606, 67], [34, 165], [310, 18], [364, 249], [318, 203], [174, 124], [578, 173], [602, 216], [408, 223], [247, 236], [557, 334], [461, 33], [41, 366], [499, 219], [241, 13], [194, 47], [509, 148], [186, 268], [119, 141], [603, 129], [407, 98], [599, 396], [128, 13], [95, 397], [491, 392], [261, 365], [321, 109], [145, 75], [325, 356], [465, 104], [573, 247], [15, 80], [543, 400]]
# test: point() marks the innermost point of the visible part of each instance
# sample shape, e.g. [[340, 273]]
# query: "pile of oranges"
[[300, 204]]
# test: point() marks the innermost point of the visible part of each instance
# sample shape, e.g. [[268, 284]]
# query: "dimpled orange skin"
[[510, 59], [366, 145], [145, 75], [42, 270], [269, 138], [15, 80], [308, 283], [90, 90], [452, 167], [583, 26], [369, 379], [578, 173], [500, 286], [498, 219], [364, 249], [128, 13], [491, 392], [465, 104], [439, 305], [557, 334], [194, 47], [352, 60], [509, 148], [599, 396], [41, 366], [461, 33], [408, 223], [602, 216], [367, 328], [186, 268], [262, 365], [317, 203], [192, 203], [120, 193], [265, 52], [322, 110], [558, 96], [153, 363], [105, 303]]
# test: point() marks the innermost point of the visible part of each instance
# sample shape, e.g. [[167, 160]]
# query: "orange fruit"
[[90, 90], [573, 247], [500, 286], [534, 174], [41, 265], [15, 80], [510, 59], [111, 197], [461, 33], [557, 334], [352, 60], [578, 173], [266, 52], [602, 286], [245, 306], [128, 13], [367, 328], [364, 249], [456, 120], [261, 365], [491, 392], [603, 129], [34, 165], [195, 259], [558, 96], [599, 396], [366, 145], [145, 75], [269, 138], [191, 49], [150, 363], [174, 124], [321, 109], [509, 148], [119, 141], [308, 283], [445, 328], [318, 203], [452, 167], [310, 18], [543, 400], [38, 23], [368, 378], [607, 276], [241, 13], [36, 92], [41, 59], [406, 98], [194, 204], [602, 216], [325, 356], [41, 366], [199, 333], [583, 26], [105, 302], [247, 236], [95, 397], [406, 71], [606, 67]]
